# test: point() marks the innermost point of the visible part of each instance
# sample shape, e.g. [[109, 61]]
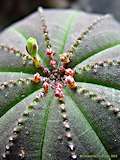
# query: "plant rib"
[[19, 127]]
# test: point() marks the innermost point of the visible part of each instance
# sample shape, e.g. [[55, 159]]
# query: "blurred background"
[[13, 10]]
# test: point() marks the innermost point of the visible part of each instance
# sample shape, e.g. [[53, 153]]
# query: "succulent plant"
[[59, 87]]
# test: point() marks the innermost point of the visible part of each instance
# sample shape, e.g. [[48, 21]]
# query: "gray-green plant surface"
[[87, 124]]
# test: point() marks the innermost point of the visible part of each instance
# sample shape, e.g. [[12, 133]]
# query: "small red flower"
[[62, 69], [46, 71], [49, 52], [59, 85], [37, 78], [46, 87], [53, 63], [59, 94], [69, 72], [69, 80], [64, 58]]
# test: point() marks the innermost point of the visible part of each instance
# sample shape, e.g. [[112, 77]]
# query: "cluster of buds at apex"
[[49, 52], [46, 87], [69, 80], [65, 58], [53, 63], [69, 72], [37, 78], [59, 91]]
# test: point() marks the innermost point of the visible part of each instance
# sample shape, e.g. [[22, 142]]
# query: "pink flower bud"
[[53, 63], [59, 85], [62, 69], [49, 52], [69, 72], [70, 82], [37, 78], [69, 79], [46, 87]]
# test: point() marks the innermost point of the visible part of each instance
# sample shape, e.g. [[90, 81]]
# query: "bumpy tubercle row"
[[19, 127], [100, 100], [67, 56]]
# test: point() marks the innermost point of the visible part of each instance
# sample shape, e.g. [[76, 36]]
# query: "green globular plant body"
[[60, 106]]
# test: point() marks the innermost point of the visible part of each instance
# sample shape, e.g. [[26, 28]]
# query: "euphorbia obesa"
[[59, 87]]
